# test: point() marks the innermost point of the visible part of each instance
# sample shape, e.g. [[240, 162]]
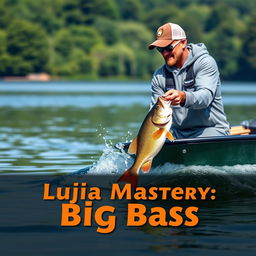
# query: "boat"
[[235, 149]]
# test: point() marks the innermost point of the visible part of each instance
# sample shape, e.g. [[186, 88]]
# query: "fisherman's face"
[[175, 56]]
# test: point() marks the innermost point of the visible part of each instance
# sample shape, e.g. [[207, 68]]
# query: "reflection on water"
[[60, 139]]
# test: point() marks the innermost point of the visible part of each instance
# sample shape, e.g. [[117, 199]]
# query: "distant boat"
[[44, 77], [40, 77]]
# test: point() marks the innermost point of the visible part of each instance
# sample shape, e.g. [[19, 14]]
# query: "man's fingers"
[[169, 97], [168, 93], [172, 96], [176, 97]]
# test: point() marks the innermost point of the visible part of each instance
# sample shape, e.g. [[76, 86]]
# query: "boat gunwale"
[[199, 140], [212, 139]]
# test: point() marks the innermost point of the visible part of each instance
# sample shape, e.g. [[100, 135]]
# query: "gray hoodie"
[[202, 114]]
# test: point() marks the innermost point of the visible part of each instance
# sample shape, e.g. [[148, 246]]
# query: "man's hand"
[[176, 97]]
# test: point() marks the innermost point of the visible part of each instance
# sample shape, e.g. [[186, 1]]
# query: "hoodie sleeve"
[[206, 82], [156, 87]]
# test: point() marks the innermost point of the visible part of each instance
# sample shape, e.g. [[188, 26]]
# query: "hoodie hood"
[[195, 51]]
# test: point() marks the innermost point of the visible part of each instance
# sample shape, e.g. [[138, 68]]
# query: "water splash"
[[112, 161]]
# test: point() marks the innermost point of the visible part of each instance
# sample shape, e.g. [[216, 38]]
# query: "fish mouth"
[[162, 101], [160, 124]]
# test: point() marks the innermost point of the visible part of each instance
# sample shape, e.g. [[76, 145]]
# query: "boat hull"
[[214, 151]]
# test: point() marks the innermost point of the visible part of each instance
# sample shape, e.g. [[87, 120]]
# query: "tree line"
[[108, 39]]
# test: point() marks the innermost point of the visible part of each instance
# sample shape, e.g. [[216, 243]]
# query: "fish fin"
[[156, 135], [129, 178], [133, 146], [169, 136], [147, 166]]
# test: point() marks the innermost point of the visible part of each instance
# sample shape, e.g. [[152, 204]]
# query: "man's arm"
[[207, 78], [156, 90]]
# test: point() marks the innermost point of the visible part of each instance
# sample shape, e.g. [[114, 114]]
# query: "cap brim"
[[159, 43]]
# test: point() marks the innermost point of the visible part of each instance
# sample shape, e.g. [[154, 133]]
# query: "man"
[[190, 80]]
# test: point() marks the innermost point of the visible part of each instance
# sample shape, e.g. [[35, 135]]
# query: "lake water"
[[63, 127]]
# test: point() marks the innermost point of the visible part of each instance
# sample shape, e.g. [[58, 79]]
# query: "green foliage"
[[192, 20], [249, 46], [105, 8], [109, 38], [3, 44], [26, 49], [72, 13], [72, 48], [42, 12], [85, 37], [81, 37], [159, 16], [224, 39], [199, 12], [117, 60], [216, 19], [108, 29], [134, 34], [131, 10], [225, 50], [5, 14], [192, 26], [242, 6]]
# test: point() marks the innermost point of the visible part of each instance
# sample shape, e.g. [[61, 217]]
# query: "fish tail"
[[129, 178]]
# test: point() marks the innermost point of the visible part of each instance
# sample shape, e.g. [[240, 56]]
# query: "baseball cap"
[[166, 34]]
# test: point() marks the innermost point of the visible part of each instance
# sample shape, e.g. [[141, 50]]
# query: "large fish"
[[151, 137]]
